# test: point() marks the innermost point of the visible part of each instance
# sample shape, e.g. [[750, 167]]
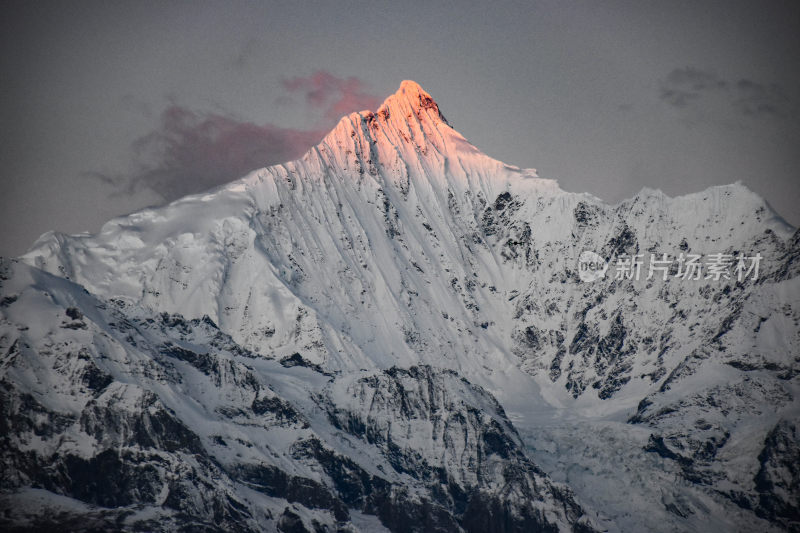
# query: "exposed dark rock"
[[420, 393], [95, 379], [623, 243], [585, 214], [280, 409], [275, 482], [778, 479], [298, 360], [290, 522]]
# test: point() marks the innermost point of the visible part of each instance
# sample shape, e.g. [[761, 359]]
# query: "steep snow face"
[[396, 243], [366, 252]]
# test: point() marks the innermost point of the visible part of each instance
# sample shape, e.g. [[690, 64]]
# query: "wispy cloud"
[[754, 98], [191, 151], [700, 90], [334, 96], [682, 86]]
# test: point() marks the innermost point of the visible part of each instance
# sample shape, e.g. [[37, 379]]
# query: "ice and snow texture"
[[396, 243]]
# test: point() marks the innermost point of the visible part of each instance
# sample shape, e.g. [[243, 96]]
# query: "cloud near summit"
[[335, 96], [191, 151]]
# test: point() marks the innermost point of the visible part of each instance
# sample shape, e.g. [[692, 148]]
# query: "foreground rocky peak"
[[118, 419]]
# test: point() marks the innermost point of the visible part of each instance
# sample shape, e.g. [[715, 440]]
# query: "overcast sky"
[[107, 107]]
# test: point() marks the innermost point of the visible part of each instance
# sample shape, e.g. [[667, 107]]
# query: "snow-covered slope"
[[114, 418], [340, 253], [390, 262]]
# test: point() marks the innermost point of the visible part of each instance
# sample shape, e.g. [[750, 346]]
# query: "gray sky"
[[107, 107]]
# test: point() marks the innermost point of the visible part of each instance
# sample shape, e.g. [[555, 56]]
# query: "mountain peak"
[[410, 85], [411, 90], [409, 135], [410, 98]]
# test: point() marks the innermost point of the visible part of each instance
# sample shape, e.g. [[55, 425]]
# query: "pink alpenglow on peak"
[[410, 97], [408, 136]]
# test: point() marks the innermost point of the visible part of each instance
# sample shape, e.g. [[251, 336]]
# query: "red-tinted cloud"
[[191, 151], [335, 96]]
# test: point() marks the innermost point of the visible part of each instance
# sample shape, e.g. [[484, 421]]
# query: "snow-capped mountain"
[[394, 332]]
